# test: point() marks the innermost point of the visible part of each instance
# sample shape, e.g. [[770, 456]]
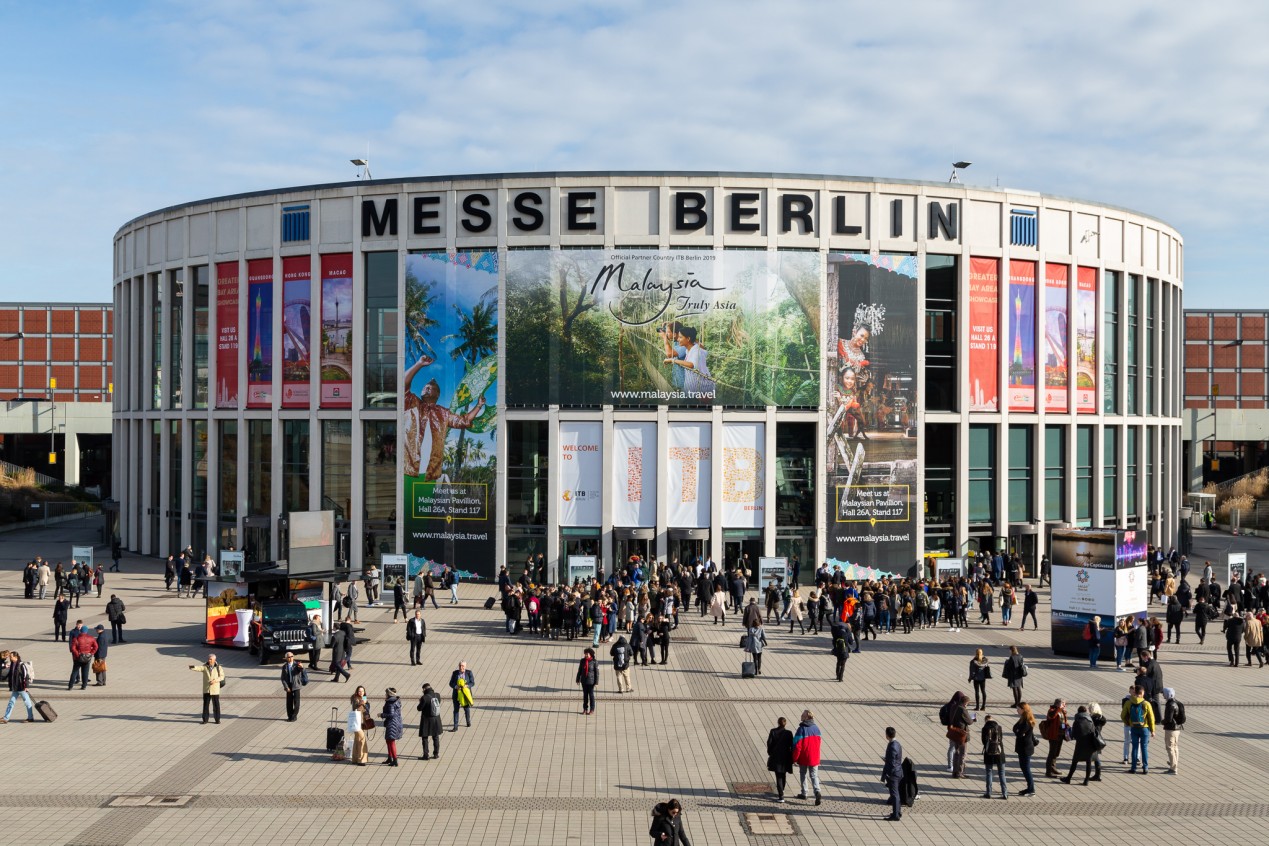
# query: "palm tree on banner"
[[419, 302], [477, 337]]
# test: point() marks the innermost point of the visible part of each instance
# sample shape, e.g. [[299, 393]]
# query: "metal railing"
[[15, 470]]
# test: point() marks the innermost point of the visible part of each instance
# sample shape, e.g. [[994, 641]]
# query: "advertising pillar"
[[1096, 572]]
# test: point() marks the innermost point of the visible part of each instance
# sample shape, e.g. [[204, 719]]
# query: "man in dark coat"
[[293, 678], [350, 639], [462, 681], [416, 633], [892, 773], [430, 724], [338, 654], [102, 649], [114, 613]]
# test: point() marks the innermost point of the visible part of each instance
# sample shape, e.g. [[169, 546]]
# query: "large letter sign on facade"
[[688, 477], [872, 446], [634, 469], [581, 464], [451, 355], [744, 494]]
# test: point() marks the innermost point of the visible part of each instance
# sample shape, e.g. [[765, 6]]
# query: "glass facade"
[[527, 472], [1021, 451], [198, 486], [1152, 456], [1084, 475], [381, 330], [1110, 475], [940, 486], [259, 467], [227, 468], [201, 334], [1110, 342], [156, 346], [176, 322], [294, 465], [1055, 473], [1152, 288], [337, 468], [982, 476], [381, 469], [156, 483], [795, 474], [1131, 458], [941, 284], [1132, 351]]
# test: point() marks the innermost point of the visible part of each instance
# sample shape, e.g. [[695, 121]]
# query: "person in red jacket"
[[806, 754], [83, 647]]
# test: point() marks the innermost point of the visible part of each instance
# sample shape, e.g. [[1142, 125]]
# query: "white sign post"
[[1235, 565], [769, 569], [83, 556], [581, 567], [231, 564]]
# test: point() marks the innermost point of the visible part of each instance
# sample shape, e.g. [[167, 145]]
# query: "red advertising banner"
[[335, 352], [227, 334], [1057, 279], [260, 333], [297, 330], [1021, 312], [1086, 340], [984, 334]]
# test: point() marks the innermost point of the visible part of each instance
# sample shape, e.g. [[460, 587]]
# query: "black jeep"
[[280, 626]]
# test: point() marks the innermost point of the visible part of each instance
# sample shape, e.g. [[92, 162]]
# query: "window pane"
[[381, 470], [381, 330], [294, 465], [982, 482], [176, 317], [259, 467], [527, 472], [337, 467], [201, 292], [795, 474]]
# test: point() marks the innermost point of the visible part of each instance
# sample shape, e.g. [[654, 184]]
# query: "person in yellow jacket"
[[213, 678], [1138, 715]]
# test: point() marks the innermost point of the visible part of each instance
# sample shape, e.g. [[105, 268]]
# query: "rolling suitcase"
[[334, 734], [747, 670], [46, 711], [489, 603]]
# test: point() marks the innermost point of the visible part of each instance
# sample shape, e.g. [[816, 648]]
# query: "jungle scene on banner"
[[674, 327], [872, 409], [450, 411]]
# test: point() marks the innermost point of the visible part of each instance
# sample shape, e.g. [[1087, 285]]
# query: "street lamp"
[[1216, 392], [364, 164], [52, 422]]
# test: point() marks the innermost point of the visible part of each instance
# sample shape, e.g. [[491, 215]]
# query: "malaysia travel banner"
[[336, 350], [260, 333], [634, 469], [227, 334], [1021, 312], [872, 322], [581, 473], [984, 334], [672, 327], [1056, 336], [449, 414], [1086, 340], [297, 330]]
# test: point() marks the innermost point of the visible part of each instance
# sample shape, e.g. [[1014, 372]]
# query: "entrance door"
[[630, 546], [686, 550], [257, 545]]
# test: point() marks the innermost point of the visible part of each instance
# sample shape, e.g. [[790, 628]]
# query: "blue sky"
[[115, 109]]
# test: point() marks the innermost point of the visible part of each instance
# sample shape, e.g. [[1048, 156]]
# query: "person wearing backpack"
[[1053, 729], [430, 725], [993, 739], [621, 654], [841, 646], [1088, 746], [1140, 718], [1173, 723], [20, 677]]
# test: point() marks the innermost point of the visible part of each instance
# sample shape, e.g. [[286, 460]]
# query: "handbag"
[[368, 723], [1099, 743], [956, 734], [123, 621], [99, 666]]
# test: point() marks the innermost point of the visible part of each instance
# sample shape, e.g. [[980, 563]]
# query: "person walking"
[[99, 659], [462, 682], [350, 640], [99, 579], [892, 774], [73, 585], [794, 612], [430, 724], [755, 642], [339, 655], [429, 589], [1087, 749], [20, 678], [358, 723], [667, 825], [1173, 723], [393, 725], [352, 596], [1024, 745], [1030, 601], [398, 599], [450, 582], [841, 646], [993, 740], [42, 577], [959, 722], [588, 678], [1254, 638], [1053, 729], [116, 552], [806, 754], [317, 636], [780, 755], [1015, 670], [718, 607], [416, 634], [621, 654], [293, 678], [114, 613], [979, 673], [1139, 716], [83, 647], [61, 610], [213, 677]]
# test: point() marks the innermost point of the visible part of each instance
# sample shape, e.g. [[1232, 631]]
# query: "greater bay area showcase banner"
[[336, 351], [581, 469], [1021, 335], [297, 285], [688, 475], [259, 333], [984, 334], [634, 469], [744, 494], [872, 323], [672, 327], [1056, 336], [227, 334], [1086, 340], [449, 411]]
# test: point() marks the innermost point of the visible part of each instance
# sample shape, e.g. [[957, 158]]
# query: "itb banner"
[[744, 493], [1021, 390], [1086, 341], [581, 463], [687, 486], [227, 334], [1056, 379], [634, 469]]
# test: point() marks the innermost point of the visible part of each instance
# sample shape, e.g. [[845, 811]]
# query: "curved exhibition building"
[[475, 369]]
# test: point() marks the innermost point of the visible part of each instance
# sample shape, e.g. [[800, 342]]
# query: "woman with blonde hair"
[[795, 612], [979, 672], [1025, 743], [718, 606]]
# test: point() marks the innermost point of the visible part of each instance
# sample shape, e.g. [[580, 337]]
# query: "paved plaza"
[[532, 769]]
